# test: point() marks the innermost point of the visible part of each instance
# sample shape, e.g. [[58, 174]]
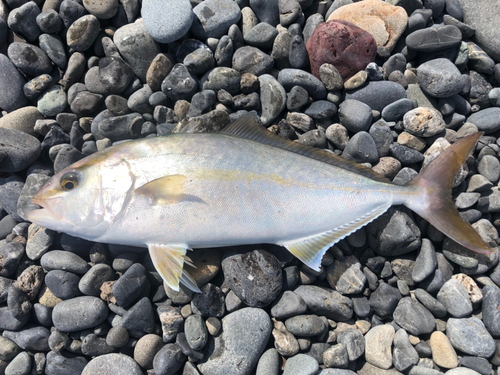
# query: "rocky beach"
[[387, 84]]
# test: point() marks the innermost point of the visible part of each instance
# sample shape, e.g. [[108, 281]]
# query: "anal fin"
[[169, 262], [310, 250]]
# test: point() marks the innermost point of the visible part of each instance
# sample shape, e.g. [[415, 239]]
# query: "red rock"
[[342, 44]]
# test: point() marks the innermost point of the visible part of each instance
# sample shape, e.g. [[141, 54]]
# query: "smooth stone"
[[434, 39], [224, 52], [180, 84], [384, 21], [261, 36], [305, 325], [221, 78], [272, 98], [250, 59], [22, 20], [29, 59], [130, 286], [404, 354], [361, 148], [469, 335], [199, 61], [65, 261], [443, 353], [281, 51], [423, 122], [54, 48], [299, 57], [140, 317], [83, 32], [293, 77], [491, 314], [354, 343], [18, 150], [101, 9], [112, 364], [196, 332], [426, 261], [355, 116], [12, 96], [433, 305], [114, 75], [123, 127], [70, 11], [8, 349], [158, 70], [244, 336], [146, 348], [326, 302], [33, 339], [79, 313], [486, 35], [62, 284], [85, 103], [212, 18], [377, 94], [58, 364], [20, 365], [269, 363], [52, 102], [287, 305], [440, 78], [127, 39], [378, 343], [455, 298], [414, 317], [343, 44], [301, 364], [266, 10], [487, 120], [395, 111]]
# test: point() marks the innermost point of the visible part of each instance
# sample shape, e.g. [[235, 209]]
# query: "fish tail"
[[435, 205]]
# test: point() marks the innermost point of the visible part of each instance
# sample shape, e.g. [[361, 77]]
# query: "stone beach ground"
[[387, 84]]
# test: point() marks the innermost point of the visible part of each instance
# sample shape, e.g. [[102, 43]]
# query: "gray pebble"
[[293, 77], [79, 313], [20, 365], [381, 133], [93, 345], [52, 102], [18, 150], [322, 301], [130, 286], [305, 325], [12, 96], [395, 111], [224, 52], [70, 11], [213, 18], [196, 332], [432, 304], [355, 116], [289, 304], [54, 48], [92, 281], [440, 78], [249, 59], [281, 50], [62, 284], [353, 341], [49, 21], [377, 94], [361, 148], [29, 59], [299, 58], [261, 36], [33, 339], [406, 155], [434, 39], [414, 317], [425, 263], [269, 363], [8, 349], [404, 354], [384, 300], [63, 260], [140, 317], [491, 300], [83, 32], [112, 364], [22, 20], [57, 364], [266, 11], [301, 364], [470, 336], [114, 74]]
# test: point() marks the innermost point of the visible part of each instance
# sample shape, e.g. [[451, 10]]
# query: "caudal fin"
[[436, 205]]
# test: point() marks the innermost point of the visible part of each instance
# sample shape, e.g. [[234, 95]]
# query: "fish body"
[[240, 186]]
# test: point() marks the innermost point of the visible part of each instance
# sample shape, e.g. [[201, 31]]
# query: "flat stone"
[[79, 313], [443, 353], [301, 364], [440, 78], [326, 302], [296, 77], [250, 59], [12, 96], [272, 98], [486, 120], [101, 9], [112, 364], [434, 39], [377, 94], [414, 317]]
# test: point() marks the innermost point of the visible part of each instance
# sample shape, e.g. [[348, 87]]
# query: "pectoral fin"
[[167, 190], [169, 262], [310, 250]]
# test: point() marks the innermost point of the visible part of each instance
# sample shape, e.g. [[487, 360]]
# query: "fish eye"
[[69, 181]]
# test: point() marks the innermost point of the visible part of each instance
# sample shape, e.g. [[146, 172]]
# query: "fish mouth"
[[46, 214]]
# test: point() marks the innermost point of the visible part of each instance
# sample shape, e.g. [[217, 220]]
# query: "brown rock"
[[146, 348], [22, 119], [443, 353], [356, 80], [107, 291], [384, 21], [412, 141], [157, 71], [285, 343], [388, 167], [470, 285], [46, 298], [342, 44], [207, 263]]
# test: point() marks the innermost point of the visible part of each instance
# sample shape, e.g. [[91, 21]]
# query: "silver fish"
[[243, 185]]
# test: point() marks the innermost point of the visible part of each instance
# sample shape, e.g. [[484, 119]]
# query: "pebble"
[[426, 261], [112, 364], [179, 13], [213, 18], [261, 36], [470, 336], [355, 116], [353, 341], [63, 260], [146, 348], [29, 59], [32, 339], [272, 98], [443, 353], [342, 44], [433, 305], [58, 364], [301, 364], [361, 148], [245, 283], [404, 354], [130, 286], [287, 305], [20, 365], [20, 150], [486, 119], [377, 94], [62, 284], [378, 342], [395, 111], [325, 302], [127, 39], [244, 336], [250, 59], [491, 300], [433, 39], [22, 20], [423, 122], [414, 317], [79, 313], [12, 97], [440, 78], [292, 77], [83, 32], [52, 102], [269, 363], [210, 302], [114, 75]]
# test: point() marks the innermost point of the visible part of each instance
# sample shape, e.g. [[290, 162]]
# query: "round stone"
[[102, 9], [52, 102], [178, 12], [423, 122], [440, 78], [212, 18], [83, 32], [29, 59], [12, 95]]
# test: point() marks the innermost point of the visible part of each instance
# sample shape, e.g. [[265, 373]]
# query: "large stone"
[[385, 22], [12, 83], [179, 15], [342, 44]]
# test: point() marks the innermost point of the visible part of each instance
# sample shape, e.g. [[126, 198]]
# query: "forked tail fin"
[[436, 206]]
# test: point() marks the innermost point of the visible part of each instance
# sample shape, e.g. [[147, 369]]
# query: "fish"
[[243, 185]]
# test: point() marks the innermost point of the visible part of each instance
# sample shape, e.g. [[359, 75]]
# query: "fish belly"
[[247, 193]]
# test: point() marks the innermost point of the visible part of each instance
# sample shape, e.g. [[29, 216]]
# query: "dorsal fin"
[[248, 127]]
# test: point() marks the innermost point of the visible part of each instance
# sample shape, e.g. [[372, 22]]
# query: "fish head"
[[87, 197]]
